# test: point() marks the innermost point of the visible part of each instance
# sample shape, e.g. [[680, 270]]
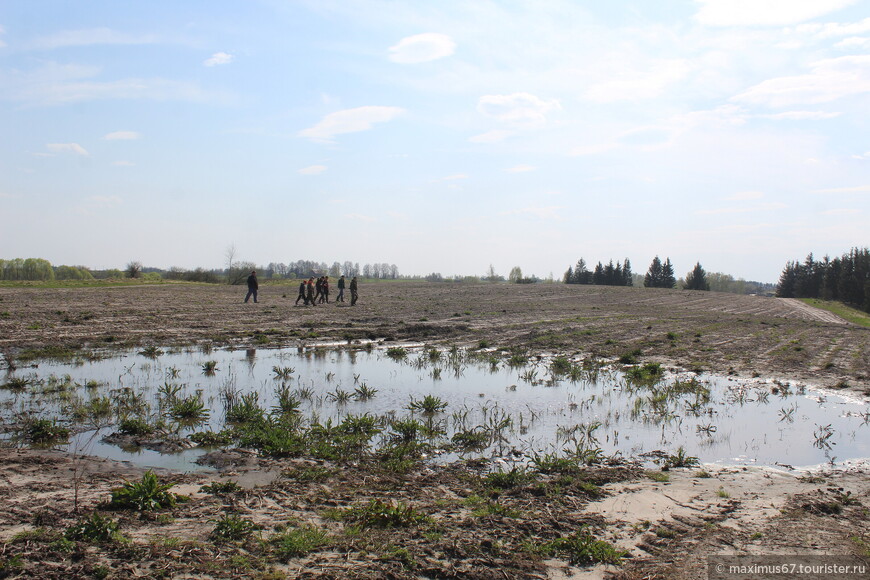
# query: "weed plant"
[[232, 528], [145, 495], [43, 431], [94, 528], [298, 542], [582, 549], [221, 488], [385, 514], [428, 405]]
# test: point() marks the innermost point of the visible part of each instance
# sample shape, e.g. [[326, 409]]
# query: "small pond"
[[526, 406]]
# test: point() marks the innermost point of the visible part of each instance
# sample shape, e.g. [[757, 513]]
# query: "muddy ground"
[[668, 528]]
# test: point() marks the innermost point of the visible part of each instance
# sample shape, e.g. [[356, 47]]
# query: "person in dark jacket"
[[310, 291], [324, 290], [318, 288], [303, 287], [340, 297], [253, 286], [354, 296]]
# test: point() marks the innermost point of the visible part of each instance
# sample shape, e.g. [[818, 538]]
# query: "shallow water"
[[743, 422]]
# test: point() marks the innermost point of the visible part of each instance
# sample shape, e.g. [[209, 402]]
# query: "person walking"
[[303, 287], [310, 297], [340, 297], [318, 288], [253, 286], [324, 290], [354, 295]]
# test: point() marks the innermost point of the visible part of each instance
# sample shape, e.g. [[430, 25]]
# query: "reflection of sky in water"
[[737, 426]]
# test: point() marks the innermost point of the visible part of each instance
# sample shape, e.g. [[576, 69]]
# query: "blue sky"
[[438, 136]]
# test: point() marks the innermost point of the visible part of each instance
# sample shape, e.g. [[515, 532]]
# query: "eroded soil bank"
[[470, 530]]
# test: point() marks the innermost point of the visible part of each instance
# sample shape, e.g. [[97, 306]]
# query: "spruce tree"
[[668, 278], [696, 279], [653, 278]]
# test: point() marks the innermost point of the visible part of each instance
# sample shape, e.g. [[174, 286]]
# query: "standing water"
[[525, 407]]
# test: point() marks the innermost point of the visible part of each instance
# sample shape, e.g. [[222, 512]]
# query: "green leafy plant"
[[44, 431], [145, 495], [232, 528], [94, 528], [428, 405], [297, 542], [385, 514], [221, 488], [582, 548]]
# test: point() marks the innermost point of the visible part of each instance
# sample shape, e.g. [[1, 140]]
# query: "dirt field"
[[722, 333], [669, 528]]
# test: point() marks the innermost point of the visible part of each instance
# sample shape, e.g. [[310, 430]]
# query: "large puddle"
[[533, 406]]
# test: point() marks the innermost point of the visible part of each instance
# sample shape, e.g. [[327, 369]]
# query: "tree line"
[[602, 275], [38, 269], [844, 279]]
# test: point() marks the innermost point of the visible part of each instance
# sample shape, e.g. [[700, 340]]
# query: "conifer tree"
[[654, 275], [696, 279], [668, 278]]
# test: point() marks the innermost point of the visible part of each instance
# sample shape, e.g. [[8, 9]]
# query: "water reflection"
[[497, 404]]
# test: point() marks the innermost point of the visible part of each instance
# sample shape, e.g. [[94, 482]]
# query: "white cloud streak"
[[89, 37], [828, 80], [522, 109], [349, 121], [219, 58], [122, 136], [422, 48], [74, 148], [723, 13], [312, 170]]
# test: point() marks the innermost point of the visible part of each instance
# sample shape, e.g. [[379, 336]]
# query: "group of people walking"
[[311, 292]]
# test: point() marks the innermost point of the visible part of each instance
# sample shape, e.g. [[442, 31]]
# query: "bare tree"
[[134, 269]]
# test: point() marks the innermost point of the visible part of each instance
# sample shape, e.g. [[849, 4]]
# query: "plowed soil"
[[669, 529], [722, 333]]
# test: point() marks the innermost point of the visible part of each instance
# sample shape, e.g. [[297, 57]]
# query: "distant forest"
[[661, 275], [609, 275], [844, 279]]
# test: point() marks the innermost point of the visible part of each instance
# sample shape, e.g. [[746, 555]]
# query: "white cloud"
[[121, 136], [745, 195], [312, 170], [626, 82], [349, 121], [801, 116], [856, 189], [864, 156], [829, 80], [764, 12], [833, 29], [491, 136], [89, 37], [359, 217], [2, 31], [751, 209], [521, 169], [842, 211], [596, 149], [66, 148], [522, 109], [854, 42], [552, 212], [422, 48], [218, 58]]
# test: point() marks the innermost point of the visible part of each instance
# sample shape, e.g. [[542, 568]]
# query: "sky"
[[445, 136]]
